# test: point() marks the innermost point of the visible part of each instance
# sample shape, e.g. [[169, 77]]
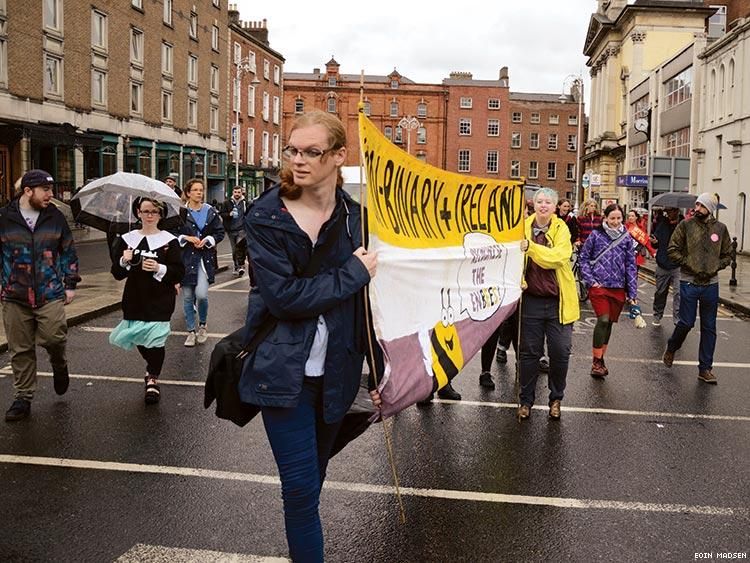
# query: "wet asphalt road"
[[650, 465]]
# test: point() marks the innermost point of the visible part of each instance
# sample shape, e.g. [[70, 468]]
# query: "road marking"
[[245, 291], [451, 494], [140, 553], [107, 329], [466, 403], [228, 283]]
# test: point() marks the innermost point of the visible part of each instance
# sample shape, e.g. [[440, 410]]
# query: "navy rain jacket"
[[280, 251]]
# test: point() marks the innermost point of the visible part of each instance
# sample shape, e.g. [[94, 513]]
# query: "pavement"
[[97, 293]]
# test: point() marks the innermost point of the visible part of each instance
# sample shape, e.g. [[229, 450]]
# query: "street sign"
[[585, 181], [633, 181], [234, 136], [596, 179]]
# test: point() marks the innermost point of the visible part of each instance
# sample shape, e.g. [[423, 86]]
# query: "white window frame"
[[573, 119], [53, 19], [554, 119], [236, 93], [534, 140], [464, 126], [552, 170], [251, 60], [213, 123], [552, 142], [332, 82], [192, 113], [266, 106], [215, 38], [394, 109], [236, 53], [493, 103], [299, 106], [266, 69], [464, 160], [368, 108], [167, 59], [572, 142], [3, 58], [275, 149], [99, 17], [214, 78], [53, 81], [136, 98], [250, 156], [276, 108], [570, 171], [102, 100], [421, 135], [251, 101], [515, 140], [465, 102], [137, 42], [167, 103], [137, 4], [493, 162], [638, 156], [399, 137], [515, 168], [266, 139], [331, 104], [533, 169], [193, 25], [167, 12], [192, 74], [516, 117], [535, 117], [493, 127], [421, 110], [388, 132], [276, 74]]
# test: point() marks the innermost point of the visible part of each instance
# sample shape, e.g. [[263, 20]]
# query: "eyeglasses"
[[150, 212], [291, 153]]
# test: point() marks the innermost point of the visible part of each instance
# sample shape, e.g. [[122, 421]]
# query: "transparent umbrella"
[[107, 203]]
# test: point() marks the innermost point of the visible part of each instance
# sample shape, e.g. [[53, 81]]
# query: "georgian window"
[[464, 126], [464, 160], [492, 162]]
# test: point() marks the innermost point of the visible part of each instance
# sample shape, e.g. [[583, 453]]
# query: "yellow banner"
[[414, 205]]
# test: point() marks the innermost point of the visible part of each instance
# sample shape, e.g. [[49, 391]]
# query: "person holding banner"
[[305, 242], [549, 306], [609, 271]]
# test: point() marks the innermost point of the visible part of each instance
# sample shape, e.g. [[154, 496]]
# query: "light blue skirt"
[[150, 334]]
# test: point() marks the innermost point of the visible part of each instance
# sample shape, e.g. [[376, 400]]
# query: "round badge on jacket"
[[715, 237]]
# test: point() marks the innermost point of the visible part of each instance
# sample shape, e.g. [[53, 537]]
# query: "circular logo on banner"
[[715, 237]]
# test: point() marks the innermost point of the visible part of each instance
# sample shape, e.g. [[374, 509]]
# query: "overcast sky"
[[540, 41]]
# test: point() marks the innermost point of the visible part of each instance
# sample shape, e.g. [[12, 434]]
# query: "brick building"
[[255, 73], [388, 99], [544, 139], [477, 125], [88, 89]]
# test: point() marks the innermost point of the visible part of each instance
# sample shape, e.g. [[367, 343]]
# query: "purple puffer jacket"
[[615, 269]]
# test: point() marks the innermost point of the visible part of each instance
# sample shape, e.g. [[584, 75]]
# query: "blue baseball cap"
[[35, 178]]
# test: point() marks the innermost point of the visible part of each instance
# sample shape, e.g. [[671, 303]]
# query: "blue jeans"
[[301, 442], [693, 297], [193, 293], [540, 317]]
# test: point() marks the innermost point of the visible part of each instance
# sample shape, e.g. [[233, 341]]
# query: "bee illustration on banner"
[[447, 356]]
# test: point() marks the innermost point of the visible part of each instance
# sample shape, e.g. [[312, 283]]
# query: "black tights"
[[506, 334], [602, 331], [154, 359]]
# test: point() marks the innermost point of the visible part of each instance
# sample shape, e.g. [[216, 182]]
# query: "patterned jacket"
[[615, 269], [586, 225], [700, 248], [38, 266]]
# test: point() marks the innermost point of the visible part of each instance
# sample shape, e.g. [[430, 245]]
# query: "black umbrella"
[[680, 200]]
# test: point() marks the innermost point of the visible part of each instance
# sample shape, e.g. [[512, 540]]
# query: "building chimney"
[[234, 15], [504, 77], [457, 75]]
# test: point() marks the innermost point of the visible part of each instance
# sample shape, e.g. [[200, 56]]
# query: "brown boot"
[[598, 369], [707, 376], [606, 369]]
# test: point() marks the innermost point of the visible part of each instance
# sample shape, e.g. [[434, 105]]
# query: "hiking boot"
[[606, 369], [485, 380], [20, 409], [523, 412], [598, 369], [202, 335], [190, 340], [60, 379], [544, 364], [448, 392], [501, 356], [707, 376], [668, 358], [554, 410]]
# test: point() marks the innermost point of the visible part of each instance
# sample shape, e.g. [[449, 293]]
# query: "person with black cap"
[[39, 277], [701, 247], [171, 181]]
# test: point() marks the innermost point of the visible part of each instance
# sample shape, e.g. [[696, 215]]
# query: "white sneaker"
[[190, 340], [241, 272], [202, 334], [656, 322]]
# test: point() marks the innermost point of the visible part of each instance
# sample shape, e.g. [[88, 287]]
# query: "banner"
[[449, 265]]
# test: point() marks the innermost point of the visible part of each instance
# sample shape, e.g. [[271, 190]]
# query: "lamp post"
[[576, 84], [409, 123], [243, 66]]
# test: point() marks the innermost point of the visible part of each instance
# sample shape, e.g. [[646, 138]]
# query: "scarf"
[[613, 233], [536, 230]]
